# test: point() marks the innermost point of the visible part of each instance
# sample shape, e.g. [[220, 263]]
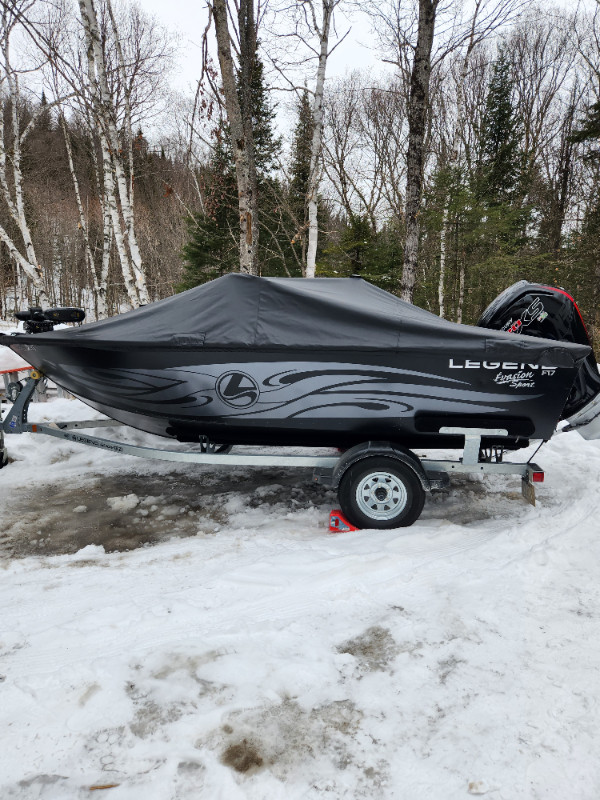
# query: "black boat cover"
[[246, 312]]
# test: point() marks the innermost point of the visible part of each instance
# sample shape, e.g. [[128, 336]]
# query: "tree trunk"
[[565, 169], [442, 278], [12, 189], [98, 286], [115, 180], [317, 140], [243, 150], [461, 292], [418, 109]]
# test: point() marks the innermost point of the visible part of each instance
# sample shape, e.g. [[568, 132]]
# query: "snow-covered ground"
[[175, 633]]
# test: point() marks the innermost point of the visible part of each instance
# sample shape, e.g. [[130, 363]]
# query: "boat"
[[312, 362]]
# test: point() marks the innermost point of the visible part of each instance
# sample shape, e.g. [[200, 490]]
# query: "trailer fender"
[[368, 449]]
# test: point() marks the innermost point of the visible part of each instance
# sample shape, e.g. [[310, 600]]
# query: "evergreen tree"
[[300, 164], [205, 254], [210, 247], [267, 147], [501, 158], [209, 251], [300, 172], [43, 121], [354, 248], [493, 218], [590, 130], [582, 274]]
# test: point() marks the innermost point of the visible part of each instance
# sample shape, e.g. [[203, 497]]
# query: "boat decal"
[[533, 313], [468, 363], [267, 390], [383, 375], [516, 380], [237, 389]]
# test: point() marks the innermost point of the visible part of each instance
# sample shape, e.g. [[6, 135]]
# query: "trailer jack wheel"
[[380, 492]]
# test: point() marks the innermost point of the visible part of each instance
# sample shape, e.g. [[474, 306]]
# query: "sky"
[[189, 17]]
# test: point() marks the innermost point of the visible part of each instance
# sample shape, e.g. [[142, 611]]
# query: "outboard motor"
[[36, 320], [548, 312]]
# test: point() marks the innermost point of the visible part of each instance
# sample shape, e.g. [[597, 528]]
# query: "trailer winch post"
[[16, 419]]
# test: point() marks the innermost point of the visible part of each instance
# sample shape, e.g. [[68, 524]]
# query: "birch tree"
[[238, 111], [302, 34], [118, 187], [322, 28], [118, 75], [12, 138]]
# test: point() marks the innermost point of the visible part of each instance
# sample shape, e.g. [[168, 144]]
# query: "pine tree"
[[583, 274], [300, 172], [205, 252], [267, 146], [209, 250], [43, 121], [301, 145], [501, 158], [590, 130], [492, 234]]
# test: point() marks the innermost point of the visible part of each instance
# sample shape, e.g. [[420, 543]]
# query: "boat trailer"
[[379, 484]]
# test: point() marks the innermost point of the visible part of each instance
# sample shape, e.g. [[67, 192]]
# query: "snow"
[[176, 633]]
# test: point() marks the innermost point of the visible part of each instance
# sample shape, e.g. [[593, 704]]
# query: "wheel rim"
[[381, 495]]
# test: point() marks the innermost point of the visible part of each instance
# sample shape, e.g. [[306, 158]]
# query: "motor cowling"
[[548, 312]]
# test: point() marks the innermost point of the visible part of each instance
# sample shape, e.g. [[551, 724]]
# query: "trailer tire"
[[380, 492]]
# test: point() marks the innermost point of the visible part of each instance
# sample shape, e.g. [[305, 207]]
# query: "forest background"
[[476, 145]]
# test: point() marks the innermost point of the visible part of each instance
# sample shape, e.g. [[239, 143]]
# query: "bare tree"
[[549, 86], [12, 139], [239, 115], [418, 102], [487, 16], [104, 110], [321, 28], [302, 34], [364, 147], [418, 41]]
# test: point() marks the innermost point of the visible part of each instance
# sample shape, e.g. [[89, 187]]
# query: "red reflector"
[[34, 428], [537, 477]]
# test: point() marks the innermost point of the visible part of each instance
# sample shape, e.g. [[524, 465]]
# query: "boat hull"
[[333, 397]]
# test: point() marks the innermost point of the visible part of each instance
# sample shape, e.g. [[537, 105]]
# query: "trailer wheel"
[[380, 492]]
